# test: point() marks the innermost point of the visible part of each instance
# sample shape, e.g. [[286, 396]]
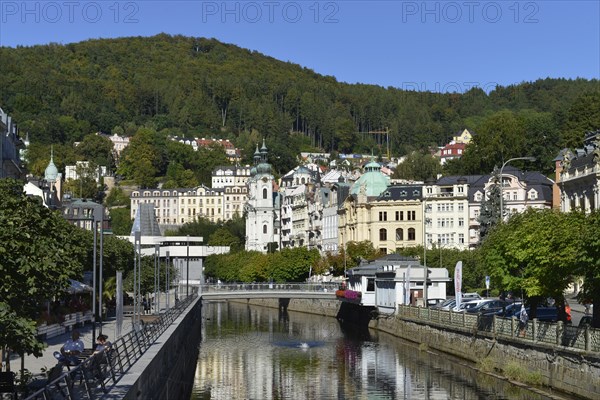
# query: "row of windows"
[[411, 235], [410, 215]]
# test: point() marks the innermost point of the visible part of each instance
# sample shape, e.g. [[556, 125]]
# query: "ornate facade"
[[580, 176], [262, 209]]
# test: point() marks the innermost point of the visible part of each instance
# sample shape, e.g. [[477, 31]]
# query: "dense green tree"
[[223, 237], [531, 253], [85, 186], [40, 251], [190, 86], [117, 197], [490, 213], [121, 221], [18, 334], [581, 117], [589, 264], [97, 149], [144, 158], [357, 251], [178, 177], [418, 166]]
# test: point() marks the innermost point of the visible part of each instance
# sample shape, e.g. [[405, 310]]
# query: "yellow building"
[[390, 217]]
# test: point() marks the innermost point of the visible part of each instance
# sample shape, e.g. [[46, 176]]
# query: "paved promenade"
[[47, 361]]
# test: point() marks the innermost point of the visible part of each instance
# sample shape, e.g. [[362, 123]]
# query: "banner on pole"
[[458, 283], [407, 286]]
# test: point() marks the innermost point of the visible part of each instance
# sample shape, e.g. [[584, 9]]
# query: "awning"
[[78, 287]]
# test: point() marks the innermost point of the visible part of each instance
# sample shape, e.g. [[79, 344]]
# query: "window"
[[383, 250], [383, 215], [411, 234], [461, 238], [461, 222], [533, 195], [265, 193], [265, 229], [370, 284], [461, 207], [382, 234], [411, 215], [399, 234]]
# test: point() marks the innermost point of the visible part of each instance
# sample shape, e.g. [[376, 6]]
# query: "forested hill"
[[201, 87]]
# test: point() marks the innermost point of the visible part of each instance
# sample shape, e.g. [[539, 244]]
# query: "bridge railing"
[[264, 287], [96, 374]]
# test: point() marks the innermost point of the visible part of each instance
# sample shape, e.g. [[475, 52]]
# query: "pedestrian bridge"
[[321, 290]]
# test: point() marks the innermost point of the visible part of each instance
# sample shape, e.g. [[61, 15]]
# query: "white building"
[[119, 143], [579, 176], [234, 181], [82, 167], [446, 209], [383, 283], [521, 190], [262, 208]]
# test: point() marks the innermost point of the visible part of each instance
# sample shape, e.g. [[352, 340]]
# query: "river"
[[250, 352]]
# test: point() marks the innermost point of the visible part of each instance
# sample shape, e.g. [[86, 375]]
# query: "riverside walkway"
[[84, 381]]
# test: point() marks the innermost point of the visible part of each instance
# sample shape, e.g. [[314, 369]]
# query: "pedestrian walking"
[[523, 319]]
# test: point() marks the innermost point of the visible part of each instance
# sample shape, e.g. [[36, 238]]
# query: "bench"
[[50, 331], [127, 311]]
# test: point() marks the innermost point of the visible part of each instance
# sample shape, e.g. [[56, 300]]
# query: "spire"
[[256, 155], [51, 172]]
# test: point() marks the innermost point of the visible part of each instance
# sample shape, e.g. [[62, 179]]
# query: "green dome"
[[374, 181], [51, 172]]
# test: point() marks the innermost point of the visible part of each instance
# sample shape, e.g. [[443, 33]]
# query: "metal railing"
[[293, 287], [99, 372], [550, 333]]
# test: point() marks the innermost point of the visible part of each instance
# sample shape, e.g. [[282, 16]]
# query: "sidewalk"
[[47, 361]]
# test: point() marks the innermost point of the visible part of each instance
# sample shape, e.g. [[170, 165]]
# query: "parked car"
[[487, 306], [471, 296], [446, 305], [467, 304], [547, 314], [509, 310], [433, 303]]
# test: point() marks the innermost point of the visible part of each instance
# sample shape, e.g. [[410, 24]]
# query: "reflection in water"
[[260, 353]]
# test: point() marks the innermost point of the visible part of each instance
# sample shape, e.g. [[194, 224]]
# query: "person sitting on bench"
[[71, 350]]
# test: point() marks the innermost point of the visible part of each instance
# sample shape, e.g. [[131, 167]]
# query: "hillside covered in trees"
[[196, 87]]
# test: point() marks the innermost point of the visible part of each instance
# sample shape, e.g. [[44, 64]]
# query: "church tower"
[[262, 207]]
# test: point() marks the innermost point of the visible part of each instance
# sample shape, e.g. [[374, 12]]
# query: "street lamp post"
[[156, 285], [95, 228], [167, 282], [101, 263], [425, 270], [502, 183]]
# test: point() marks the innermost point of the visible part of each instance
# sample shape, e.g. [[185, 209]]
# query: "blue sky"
[[433, 45]]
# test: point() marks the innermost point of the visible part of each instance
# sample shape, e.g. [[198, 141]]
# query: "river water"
[[249, 352]]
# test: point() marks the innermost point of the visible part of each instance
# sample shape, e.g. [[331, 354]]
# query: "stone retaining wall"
[[328, 308], [166, 370], [564, 369]]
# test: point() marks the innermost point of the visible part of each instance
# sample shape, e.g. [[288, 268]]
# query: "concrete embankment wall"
[[166, 370], [328, 308], [563, 369]]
